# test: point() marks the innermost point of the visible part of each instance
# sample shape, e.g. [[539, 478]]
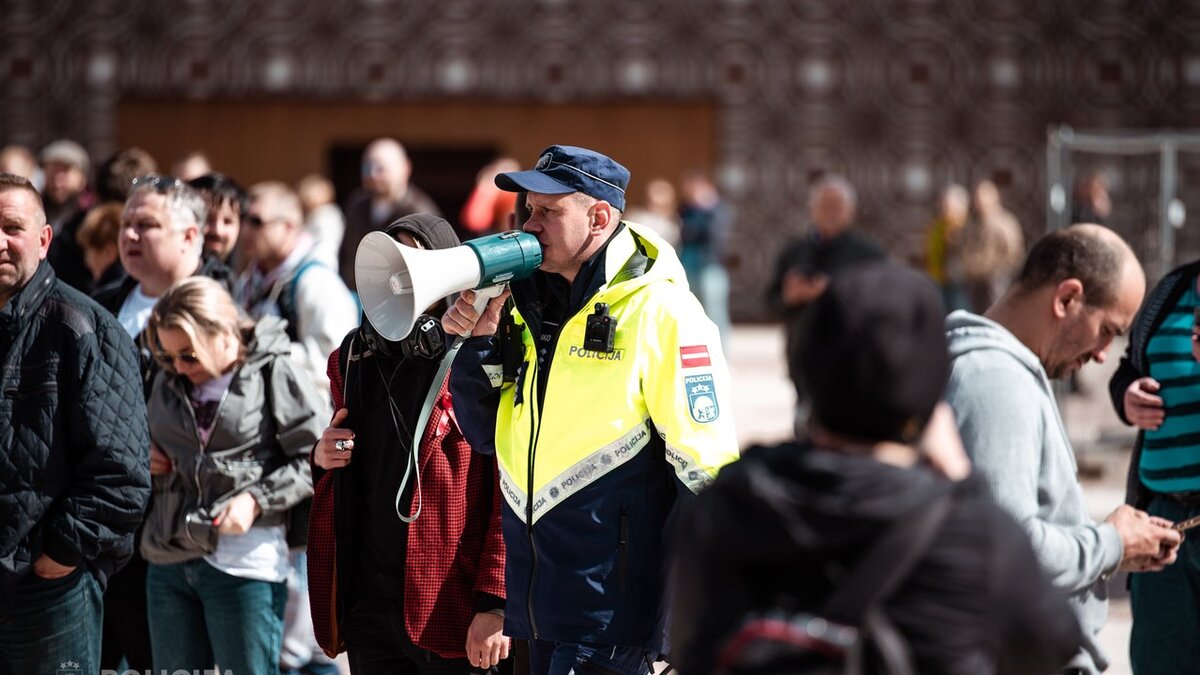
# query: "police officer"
[[615, 405]]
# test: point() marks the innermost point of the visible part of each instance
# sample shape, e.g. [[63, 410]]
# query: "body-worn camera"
[[601, 330]]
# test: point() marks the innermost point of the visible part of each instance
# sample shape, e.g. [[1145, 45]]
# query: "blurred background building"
[[901, 96]]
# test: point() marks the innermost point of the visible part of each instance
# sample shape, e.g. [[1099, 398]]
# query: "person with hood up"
[[1078, 288], [779, 527], [231, 426], [408, 583]]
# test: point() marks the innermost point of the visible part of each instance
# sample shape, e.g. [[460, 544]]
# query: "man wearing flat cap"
[[614, 405]]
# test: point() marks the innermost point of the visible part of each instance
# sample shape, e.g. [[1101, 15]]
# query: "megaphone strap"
[[413, 464]]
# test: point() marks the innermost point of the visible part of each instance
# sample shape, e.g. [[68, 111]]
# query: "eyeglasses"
[[157, 183], [190, 358], [257, 222]]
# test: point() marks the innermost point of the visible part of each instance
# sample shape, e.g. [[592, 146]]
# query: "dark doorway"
[[445, 173]]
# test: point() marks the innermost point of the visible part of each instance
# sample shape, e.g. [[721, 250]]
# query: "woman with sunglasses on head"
[[231, 427]]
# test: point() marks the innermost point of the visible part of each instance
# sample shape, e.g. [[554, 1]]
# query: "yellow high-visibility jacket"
[[590, 468]]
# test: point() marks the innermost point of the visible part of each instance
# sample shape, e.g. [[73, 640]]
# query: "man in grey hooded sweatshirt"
[[1078, 289]]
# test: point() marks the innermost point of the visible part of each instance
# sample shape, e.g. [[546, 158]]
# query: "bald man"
[[386, 196], [1078, 289]]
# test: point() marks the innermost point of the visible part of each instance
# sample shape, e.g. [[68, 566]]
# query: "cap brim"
[[531, 181]]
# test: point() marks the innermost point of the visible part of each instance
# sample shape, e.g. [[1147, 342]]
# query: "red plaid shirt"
[[455, 548]]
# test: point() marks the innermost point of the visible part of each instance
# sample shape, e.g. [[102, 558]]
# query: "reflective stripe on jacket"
[[589, 478]]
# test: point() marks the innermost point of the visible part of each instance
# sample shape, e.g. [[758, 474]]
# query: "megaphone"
[[397, 282]]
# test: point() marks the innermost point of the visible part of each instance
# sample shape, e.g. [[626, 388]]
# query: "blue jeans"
[[52, 626], [1166, 604], [201, 616], [573, 658]]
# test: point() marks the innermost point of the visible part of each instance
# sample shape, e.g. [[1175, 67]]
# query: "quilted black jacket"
[[74, 460]]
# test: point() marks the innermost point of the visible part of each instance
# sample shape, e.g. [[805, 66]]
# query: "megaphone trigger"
[[482, 297]]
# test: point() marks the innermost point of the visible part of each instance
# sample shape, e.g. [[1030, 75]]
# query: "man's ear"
[[193, 233], [44, 238], [601, 216], [1068, 297]]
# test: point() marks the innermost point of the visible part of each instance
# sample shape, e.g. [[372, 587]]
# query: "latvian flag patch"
[[694, 357]]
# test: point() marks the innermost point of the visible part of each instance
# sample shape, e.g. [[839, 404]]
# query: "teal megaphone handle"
[[505, 257]]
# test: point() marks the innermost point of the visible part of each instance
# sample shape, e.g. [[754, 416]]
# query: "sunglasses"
[[157, 183], [190, 358]]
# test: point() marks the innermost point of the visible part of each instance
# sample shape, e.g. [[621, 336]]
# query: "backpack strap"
[[875, 576], [858, 597]]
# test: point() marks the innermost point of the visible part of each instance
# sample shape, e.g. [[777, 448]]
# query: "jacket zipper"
[[534, 429], [623, 554], [200, 442]]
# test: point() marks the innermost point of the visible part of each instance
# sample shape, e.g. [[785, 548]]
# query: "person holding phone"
[[1155, 389]]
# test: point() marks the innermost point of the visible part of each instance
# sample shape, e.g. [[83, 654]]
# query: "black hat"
[[563, 169], [873, 353]]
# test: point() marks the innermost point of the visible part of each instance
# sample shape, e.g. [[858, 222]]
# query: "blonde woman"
[[231, 425]]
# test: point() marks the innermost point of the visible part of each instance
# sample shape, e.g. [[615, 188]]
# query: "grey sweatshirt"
[[1012, 431]]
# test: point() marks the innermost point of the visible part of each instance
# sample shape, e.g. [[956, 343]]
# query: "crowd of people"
[[212, 460]]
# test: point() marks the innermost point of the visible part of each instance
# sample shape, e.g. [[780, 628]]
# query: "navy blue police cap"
[[562, 169]]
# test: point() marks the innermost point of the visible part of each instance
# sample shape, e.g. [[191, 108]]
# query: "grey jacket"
[[1012, 430], [266, 425]]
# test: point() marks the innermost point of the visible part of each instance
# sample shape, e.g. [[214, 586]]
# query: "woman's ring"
[[340, 445]]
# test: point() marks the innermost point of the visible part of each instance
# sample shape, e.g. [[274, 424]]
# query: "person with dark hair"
[[782, 527], [1154, 389], [113, 180], [75, 477], [1078, 289], [227, 204], [406, 573]]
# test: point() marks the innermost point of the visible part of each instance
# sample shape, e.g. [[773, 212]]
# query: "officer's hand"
[[462, 319], [486, 643], [336, 445]]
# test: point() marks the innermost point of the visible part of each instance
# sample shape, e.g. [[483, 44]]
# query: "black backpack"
[[850, 634]]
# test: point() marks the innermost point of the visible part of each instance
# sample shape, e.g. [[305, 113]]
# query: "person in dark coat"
[[75, 479], [411, 582], [781, 525], [386, 194], [804, 269]]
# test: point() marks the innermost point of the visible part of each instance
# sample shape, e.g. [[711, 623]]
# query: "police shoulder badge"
[[702, 397]]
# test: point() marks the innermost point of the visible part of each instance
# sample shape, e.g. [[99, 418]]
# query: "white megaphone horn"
[[397, 282]]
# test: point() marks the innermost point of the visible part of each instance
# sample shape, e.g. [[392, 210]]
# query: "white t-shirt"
[[135, 312]]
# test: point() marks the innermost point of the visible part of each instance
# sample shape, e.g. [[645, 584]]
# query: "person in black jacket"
[[159, 244], [1155, 389], [74, 468], [779, 527], [804, 268]]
